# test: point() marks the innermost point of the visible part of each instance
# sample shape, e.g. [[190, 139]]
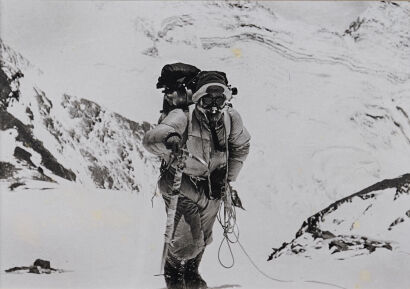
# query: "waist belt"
[[197, 178], [171, 170], [200, 182]]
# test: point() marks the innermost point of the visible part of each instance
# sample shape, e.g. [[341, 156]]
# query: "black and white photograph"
[[218, 144]]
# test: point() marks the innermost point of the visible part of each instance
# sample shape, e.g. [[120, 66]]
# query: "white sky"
[[91, 47]]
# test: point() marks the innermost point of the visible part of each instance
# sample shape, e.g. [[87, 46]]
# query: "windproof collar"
[[203, 91]]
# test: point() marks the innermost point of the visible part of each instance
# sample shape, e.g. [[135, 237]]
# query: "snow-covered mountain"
[[377, 217], [328, 112], [58, 136]]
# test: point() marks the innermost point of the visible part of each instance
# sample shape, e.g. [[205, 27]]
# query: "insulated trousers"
[[194, 218]]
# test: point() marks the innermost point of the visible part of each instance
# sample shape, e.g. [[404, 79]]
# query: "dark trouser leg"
[[195, 218], [174, 270], [193, 279]]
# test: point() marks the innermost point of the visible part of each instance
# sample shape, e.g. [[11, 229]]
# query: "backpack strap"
[[191, 109], [227, 122], [227, 125]]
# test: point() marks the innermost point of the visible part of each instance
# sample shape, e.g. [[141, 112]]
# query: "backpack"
[[180, 81]]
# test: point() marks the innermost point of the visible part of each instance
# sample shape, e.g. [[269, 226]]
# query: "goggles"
[[208, 101]]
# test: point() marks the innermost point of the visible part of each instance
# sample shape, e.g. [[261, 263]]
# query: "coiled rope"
[[228, 224]]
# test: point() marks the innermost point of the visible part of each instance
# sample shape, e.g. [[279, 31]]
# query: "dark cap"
[[205, 77]]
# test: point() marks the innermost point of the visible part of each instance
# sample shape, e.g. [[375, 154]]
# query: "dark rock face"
[[42, 263], [399, 183], [39, 267], [23, 155], [10, 91], [8, 121], [101, 177], [312, 236], [7, 170], [108, 146], [7, 94], [347, 243], [15, 185], [396, 222], [353, 28]]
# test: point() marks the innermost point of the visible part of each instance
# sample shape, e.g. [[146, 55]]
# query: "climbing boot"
[[193, 279], [174, 272]]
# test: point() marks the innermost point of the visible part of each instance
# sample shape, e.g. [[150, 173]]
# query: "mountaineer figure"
[[205, 127]]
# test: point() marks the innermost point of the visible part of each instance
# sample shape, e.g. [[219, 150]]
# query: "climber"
[[213, 135]]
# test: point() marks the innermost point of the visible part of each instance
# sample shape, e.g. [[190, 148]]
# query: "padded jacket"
[[193, 126]]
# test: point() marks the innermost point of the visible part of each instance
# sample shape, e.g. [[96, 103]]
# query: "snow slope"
[[372, 219], [93, 234], [328, 112], [67, 137], [327, 109], [113, 239]]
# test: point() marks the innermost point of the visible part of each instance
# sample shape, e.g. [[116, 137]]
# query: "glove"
[[236, 201], [173, 142], [217, 183]]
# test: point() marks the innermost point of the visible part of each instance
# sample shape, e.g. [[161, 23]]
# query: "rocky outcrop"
[[332, 230], [10, 92], [25, 136], [7, 170], [39, 267], [75, 138]]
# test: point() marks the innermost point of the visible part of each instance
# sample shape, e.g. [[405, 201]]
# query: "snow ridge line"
[[312, 224], [382, 185], [228, 42]]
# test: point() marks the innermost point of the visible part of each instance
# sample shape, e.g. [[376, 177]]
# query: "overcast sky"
[[71, 40]]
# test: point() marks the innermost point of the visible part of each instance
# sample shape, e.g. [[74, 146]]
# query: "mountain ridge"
[[106, 146], [315, 234]]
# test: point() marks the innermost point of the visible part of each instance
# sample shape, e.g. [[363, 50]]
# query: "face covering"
[[209, 101]]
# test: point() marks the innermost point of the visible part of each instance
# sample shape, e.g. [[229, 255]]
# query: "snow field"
[[112, 239]]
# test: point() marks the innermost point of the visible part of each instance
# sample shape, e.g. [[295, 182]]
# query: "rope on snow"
[[228, 225]]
